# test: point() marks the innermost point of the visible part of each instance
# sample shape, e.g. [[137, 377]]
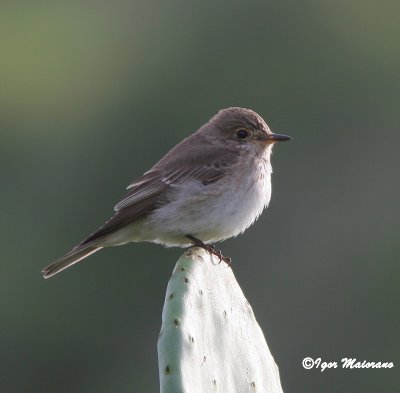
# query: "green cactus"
[[210, 340]]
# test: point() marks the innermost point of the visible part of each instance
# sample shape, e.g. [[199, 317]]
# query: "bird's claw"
[[211, 249]]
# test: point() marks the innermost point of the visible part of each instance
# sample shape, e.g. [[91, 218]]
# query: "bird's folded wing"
[[150, 191], [153, 183], [195, 158]]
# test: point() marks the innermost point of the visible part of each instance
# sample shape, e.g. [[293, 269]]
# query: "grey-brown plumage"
[[211, 186]]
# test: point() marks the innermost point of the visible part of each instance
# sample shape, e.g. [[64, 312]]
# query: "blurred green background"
[[93, 93]]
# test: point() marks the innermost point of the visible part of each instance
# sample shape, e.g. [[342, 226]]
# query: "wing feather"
[[149, 191]]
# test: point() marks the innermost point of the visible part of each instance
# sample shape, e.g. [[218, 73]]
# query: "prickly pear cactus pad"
[[210, 340]]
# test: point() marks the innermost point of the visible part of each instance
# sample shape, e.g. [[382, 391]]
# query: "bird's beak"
[[278, 138]]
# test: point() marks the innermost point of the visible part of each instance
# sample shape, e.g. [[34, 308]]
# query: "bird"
[[210, 187]]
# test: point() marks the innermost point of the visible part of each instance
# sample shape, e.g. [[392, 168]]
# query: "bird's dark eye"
[[242, 134]]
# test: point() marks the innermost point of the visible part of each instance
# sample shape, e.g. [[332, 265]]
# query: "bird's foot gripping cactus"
[[210, 340]]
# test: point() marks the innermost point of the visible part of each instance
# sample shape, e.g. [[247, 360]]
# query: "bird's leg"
[[210, 248]]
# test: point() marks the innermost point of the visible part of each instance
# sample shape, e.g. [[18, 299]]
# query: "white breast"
[[216, 211], [245, 202]]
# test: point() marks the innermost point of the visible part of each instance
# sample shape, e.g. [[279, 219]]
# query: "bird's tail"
[[74, 256]]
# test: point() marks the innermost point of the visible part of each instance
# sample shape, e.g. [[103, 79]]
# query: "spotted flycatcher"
[[210, 187]]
